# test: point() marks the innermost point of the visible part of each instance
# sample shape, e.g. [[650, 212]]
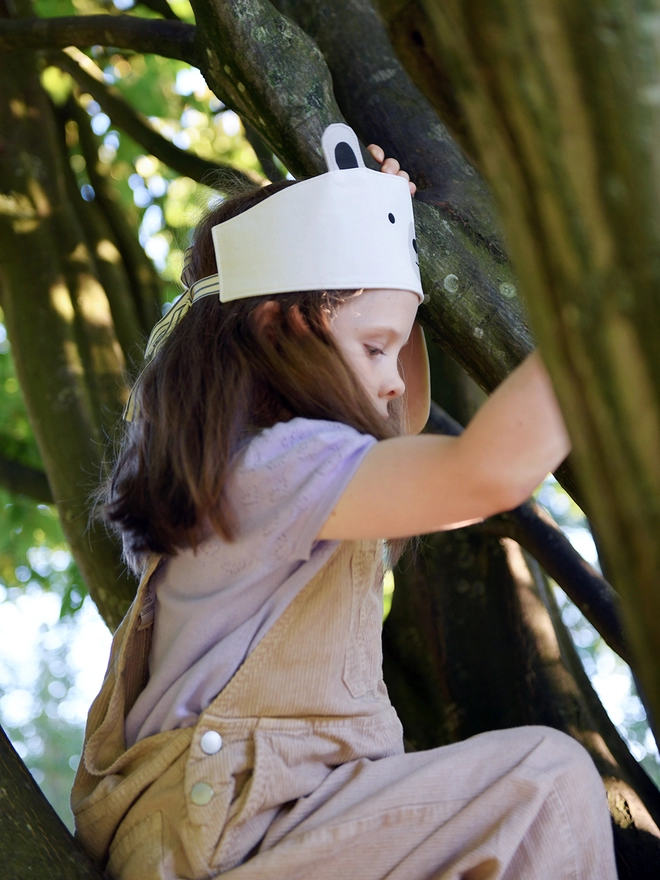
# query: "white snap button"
[[201, 794], [211, 742]]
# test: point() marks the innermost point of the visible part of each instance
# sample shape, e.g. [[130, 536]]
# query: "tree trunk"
[[560, 100], [462, 589]]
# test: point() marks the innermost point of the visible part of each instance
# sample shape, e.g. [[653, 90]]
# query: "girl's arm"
[[414, 485], [414, 366]]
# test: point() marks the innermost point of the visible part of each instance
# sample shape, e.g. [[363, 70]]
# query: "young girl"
[[243, 728]]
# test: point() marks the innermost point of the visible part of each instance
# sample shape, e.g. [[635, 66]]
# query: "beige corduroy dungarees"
[[307, 779]]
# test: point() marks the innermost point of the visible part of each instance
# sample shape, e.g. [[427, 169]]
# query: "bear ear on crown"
[[341, 147]]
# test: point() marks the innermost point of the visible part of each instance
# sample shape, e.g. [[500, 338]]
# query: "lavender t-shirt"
[[213, 606]]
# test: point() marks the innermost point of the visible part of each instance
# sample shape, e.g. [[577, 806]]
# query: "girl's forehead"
[[380, 308]]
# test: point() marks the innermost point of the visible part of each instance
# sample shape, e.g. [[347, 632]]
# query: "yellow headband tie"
[[208, 286]]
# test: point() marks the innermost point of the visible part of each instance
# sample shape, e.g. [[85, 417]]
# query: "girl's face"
[[371, 328]]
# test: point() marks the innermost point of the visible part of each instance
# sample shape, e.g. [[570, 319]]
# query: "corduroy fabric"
[[311, 780]]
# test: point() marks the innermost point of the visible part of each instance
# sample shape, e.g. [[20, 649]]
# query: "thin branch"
[[125, 117], [104, 248], [544, 540], [171, 39], [21, 479], [538, 533], [263, 154], [146, 284]]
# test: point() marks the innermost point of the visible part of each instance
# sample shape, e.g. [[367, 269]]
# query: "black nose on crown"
[[345, 157]]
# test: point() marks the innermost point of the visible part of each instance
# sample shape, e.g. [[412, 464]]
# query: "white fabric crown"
[[348, 229]]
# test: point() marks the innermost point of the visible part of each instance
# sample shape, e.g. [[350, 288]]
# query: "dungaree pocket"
[[364, 652]]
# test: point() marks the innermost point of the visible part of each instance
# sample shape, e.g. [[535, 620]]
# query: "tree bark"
[[33, 840]]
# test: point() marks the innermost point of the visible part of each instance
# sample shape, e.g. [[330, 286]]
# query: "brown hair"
[[226, 371]]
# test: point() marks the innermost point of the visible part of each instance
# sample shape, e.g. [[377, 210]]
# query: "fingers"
[[390, 165], [377, 152]]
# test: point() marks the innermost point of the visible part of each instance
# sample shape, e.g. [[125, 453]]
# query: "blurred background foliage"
[[53, 644]]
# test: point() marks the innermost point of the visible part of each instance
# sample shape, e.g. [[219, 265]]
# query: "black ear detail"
[[345, 157], [341, 148]]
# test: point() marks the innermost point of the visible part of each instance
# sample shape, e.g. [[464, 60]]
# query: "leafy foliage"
[[39, 705]]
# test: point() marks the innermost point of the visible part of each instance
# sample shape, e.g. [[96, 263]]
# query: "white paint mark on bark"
[[381, 76], [650, 94]]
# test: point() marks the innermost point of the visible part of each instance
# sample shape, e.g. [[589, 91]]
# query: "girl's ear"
[[263, 316], [297, 321], [341, 148]]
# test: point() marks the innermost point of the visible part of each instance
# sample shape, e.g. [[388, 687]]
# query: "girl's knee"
[[570, 764], [551, 751]]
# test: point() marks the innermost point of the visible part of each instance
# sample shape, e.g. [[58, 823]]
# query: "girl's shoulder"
[[288, 480], [301, 440]]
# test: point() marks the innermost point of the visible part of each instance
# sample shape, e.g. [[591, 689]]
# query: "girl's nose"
[[393, 387]]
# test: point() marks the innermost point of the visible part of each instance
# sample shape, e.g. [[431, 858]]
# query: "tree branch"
[[45, 265], [534, 530], [90, 79], [146, 284], [24, 480], [271, 73], [171, 39], [569, 78], [263, 154], [104, 249], [370, 83]]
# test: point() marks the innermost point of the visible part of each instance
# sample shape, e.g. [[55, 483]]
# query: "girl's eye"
[[372, 351]]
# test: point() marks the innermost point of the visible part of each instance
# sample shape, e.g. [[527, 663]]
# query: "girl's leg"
[[520, 804]]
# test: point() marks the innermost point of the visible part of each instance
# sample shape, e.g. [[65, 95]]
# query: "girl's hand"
[[390, 166]]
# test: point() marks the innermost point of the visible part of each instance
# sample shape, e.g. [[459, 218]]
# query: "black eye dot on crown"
[[415, 245], [391, 218]]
